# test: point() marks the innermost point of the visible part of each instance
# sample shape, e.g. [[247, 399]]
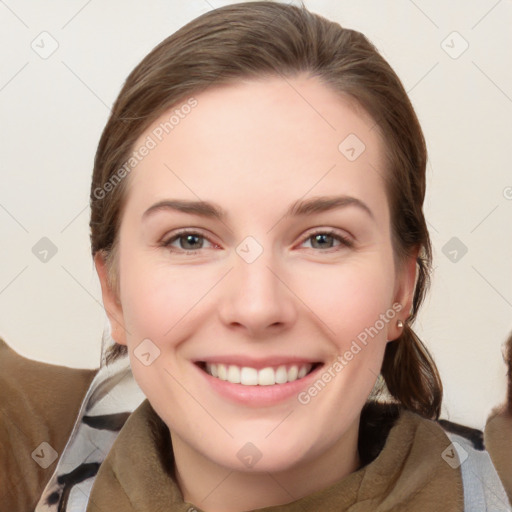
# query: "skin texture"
[[253, 148]]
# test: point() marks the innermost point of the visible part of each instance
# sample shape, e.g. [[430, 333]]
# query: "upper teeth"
[[253, 377]]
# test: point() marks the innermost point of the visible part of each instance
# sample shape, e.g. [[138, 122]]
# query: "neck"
[[215, 488]]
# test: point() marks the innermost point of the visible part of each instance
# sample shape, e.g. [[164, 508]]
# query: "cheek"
[[159, 300], [155, 304], [350, 298]]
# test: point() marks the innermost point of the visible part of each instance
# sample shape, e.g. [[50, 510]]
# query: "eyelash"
[[344, 241]]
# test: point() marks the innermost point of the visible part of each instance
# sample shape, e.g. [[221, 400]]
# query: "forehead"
[[256, 137]]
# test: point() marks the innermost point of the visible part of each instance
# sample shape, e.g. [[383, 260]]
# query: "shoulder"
[[461, 447], [11, 363], [498, 442], [498, 428], [45, 388], [39, 403]]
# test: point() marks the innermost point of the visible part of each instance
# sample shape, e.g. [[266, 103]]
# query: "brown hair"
[[257, 39]]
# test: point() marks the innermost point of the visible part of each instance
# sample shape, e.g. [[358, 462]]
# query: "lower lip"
[[259, 396]]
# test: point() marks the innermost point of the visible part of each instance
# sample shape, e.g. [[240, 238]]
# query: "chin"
[[261, 456]]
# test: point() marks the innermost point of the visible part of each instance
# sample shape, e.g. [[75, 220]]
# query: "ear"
[[405, 285], [111, 302]]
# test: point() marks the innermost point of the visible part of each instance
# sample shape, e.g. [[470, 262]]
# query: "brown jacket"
[[39, 402]]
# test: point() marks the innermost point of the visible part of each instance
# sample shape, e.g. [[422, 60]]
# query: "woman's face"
[[255, 245]]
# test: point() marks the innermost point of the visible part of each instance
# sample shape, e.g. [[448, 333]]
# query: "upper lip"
[[244, 361]]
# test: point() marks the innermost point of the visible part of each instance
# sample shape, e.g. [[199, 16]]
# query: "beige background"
[[53, 109]]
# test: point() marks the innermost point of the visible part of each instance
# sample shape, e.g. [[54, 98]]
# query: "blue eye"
[[323, 238], [191, 242], [187, 240]]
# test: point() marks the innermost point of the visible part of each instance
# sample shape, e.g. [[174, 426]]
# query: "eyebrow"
[[301, 207]]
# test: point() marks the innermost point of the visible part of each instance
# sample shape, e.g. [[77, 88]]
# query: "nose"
[[256, 296]]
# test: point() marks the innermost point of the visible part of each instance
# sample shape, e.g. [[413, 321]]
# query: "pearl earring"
[[399, 324]]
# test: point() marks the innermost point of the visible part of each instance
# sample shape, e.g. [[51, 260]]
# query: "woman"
[[257, 228]]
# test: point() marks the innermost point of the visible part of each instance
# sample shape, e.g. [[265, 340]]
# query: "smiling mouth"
[[268, 376]]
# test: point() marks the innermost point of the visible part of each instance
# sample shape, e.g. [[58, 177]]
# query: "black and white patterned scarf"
[[112, 396]]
